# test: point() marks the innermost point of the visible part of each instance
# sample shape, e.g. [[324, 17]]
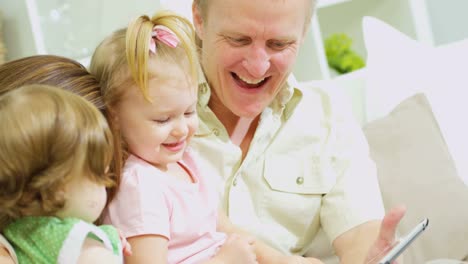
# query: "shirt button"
[[234, 183], [216, 131], [300, 180], [204, 89]]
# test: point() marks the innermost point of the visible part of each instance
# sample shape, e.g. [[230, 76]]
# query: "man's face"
[[249, 49]]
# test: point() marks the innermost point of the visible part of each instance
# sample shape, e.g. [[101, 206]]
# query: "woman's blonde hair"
[[47, 137], [122, 60], [66, 74]]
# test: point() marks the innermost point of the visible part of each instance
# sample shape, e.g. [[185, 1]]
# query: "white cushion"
[[415, 168], [399, 67]]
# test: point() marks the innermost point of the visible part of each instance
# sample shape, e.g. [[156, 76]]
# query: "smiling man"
[[291, 160]]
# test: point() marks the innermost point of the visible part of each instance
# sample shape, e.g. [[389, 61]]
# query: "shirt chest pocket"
[[296, 184], [298, 173]]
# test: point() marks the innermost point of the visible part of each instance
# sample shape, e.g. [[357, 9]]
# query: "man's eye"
[[278, 45], [238, 41]]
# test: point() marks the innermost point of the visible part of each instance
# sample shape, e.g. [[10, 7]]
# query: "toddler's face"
[[160, 131], [85, 199]]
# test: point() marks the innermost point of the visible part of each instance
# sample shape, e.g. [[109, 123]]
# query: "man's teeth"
[[251, 81]]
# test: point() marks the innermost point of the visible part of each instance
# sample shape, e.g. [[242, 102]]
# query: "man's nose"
[[257, 62]]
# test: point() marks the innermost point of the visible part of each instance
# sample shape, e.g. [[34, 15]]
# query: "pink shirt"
[[151, 202]]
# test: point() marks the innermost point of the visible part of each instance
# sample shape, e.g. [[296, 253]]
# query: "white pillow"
[[399, 67]]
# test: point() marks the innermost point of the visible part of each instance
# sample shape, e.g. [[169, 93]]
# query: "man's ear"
[[197, 20]]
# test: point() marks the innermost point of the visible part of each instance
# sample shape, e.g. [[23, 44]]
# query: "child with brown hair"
[[56, 150], [66, 74]]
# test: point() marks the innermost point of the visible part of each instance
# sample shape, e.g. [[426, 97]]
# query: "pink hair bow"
[[163, 34]]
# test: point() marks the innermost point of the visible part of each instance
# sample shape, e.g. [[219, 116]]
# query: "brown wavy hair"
[[66, 74], [48, 136]]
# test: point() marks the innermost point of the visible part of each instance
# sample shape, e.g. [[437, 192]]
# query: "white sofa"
[[412, 100]]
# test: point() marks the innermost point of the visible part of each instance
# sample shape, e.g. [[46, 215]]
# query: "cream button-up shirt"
[[307, 168]]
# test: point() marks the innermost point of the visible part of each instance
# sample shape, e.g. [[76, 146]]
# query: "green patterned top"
[[54, 240]]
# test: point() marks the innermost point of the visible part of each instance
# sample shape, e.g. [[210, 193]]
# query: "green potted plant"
[[340, 56]]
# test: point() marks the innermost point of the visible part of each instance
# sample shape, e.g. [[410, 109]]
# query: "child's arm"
[[236, 249], [147, 249], [265, 253], [126, 247], [7, 253], [5, 257], [94, 251], [153, 249]]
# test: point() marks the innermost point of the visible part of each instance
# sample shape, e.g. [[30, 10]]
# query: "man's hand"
[[387, 235]]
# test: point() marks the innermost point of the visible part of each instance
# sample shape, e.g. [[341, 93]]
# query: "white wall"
[[449, 20], [16, 30], [76, 33]]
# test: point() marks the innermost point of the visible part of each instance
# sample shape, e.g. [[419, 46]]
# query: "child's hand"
[[237, 249], [126, 247]]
